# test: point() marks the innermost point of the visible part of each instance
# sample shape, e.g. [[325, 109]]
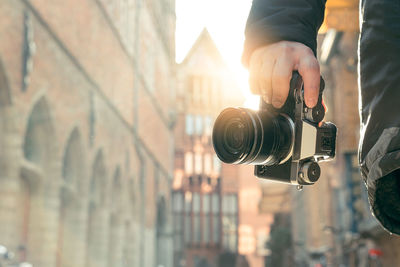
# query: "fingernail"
[[312, 102]]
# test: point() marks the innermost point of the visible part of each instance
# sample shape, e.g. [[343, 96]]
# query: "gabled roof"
[[205, 40]]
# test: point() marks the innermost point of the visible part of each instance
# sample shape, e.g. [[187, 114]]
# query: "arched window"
[[71, 235], [188, 163], [38, 187], [115, 245], [5, 95], [97, 222], [131, 242], [39, 137], [161, 233]]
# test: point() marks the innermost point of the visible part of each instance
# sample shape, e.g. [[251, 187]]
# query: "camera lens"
[[234, 136], [244, 136]]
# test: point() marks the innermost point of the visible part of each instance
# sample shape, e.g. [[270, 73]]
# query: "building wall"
[[254, 221], [85, 131], [201, 78], [206, 87]]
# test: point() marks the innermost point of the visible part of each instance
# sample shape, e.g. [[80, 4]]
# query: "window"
[[196, 218], [188, 163], [206, 228], [178, 234], [216, 229], [199, 125], [215, 218], [229, 222], [198, 166], [189, 124], [197, 228], [217, 165], [208, 125], [188, 202], [188, 229], [196, 203], [229, 204], [206, 203], [202, 220], [188, 217], [177, 200], [206, 219], [207, 164], [177, 207], [215, 203]]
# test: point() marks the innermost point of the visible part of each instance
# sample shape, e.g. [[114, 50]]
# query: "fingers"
[[271, 69], [281, 76], [310, 72], [261, 67], [265, 79]]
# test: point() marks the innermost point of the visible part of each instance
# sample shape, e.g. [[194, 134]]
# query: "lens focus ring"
[[244, 136]]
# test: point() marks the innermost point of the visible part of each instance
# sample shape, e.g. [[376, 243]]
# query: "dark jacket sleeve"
[[272, 21]]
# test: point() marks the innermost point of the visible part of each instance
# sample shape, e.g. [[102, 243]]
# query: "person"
[[280, 37]]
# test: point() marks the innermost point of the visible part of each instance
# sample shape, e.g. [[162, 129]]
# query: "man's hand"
[[271, 69]]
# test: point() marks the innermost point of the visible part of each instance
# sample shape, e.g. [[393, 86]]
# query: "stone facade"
[[87, 93], [228, 220]]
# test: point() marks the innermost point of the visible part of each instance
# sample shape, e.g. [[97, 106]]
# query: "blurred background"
[[106, 113]]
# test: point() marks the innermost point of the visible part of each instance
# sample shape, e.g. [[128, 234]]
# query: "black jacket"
[[379, 57], [272, 21]]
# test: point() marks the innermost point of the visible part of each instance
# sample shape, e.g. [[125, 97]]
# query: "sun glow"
[[225, 20]]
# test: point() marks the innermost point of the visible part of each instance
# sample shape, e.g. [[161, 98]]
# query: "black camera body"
[[284, 144]]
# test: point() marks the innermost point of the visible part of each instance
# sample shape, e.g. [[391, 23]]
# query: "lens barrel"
[[244, 136]]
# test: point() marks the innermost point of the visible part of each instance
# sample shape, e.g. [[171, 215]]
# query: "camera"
[[284, 144]]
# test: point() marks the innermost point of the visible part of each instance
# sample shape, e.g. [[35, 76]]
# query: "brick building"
[[86, 104], [215, 205]]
